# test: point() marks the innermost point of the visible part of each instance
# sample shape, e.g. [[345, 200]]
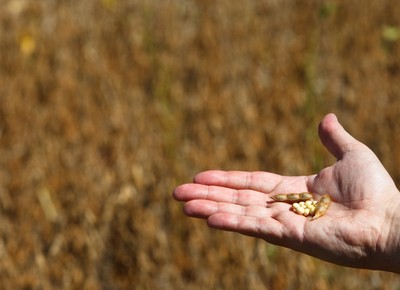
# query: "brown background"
[[106, 106]]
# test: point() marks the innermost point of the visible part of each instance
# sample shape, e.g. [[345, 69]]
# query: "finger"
[[266, 228], [277, 225], [205, 208], [264, 182], [261, 181], [334, 136], [244, 197]]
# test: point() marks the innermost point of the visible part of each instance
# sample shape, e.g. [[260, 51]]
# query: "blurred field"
[[106, 106]]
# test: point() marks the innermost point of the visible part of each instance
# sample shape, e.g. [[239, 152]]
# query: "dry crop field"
[[107, 105]]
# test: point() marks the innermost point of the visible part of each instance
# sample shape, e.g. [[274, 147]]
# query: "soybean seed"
[[300, 210]]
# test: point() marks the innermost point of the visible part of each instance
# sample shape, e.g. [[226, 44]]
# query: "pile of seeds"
[[305, 208]]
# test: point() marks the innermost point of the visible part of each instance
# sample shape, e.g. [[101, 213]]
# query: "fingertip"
[[188, 209], [175, 194], [180, 192], [331, 116], [334, 137], [222, 221], [200, 208], [328, 123], [213, 221]]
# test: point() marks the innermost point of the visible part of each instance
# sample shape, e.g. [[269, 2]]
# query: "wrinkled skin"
[[360, 228]]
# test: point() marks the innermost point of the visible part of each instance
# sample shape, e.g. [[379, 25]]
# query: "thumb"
[[334, 137]]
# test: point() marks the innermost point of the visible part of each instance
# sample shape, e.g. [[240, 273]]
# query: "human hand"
[[360, 228]]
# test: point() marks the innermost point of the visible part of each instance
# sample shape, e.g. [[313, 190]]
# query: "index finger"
[[190, 191], [257, 180]]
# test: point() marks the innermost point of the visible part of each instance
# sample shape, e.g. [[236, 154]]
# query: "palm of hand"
[[355, 223]]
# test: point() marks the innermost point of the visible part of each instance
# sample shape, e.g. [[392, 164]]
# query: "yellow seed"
[[308, 203], [296, 205], [306, 212], [300, 210]]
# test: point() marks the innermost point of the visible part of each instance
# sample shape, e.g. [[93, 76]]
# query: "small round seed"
[[300, 210]]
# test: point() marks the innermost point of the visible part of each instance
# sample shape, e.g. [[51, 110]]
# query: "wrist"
[[389, 248]]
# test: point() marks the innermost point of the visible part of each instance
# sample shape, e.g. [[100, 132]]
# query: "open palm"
[[359, 229]]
